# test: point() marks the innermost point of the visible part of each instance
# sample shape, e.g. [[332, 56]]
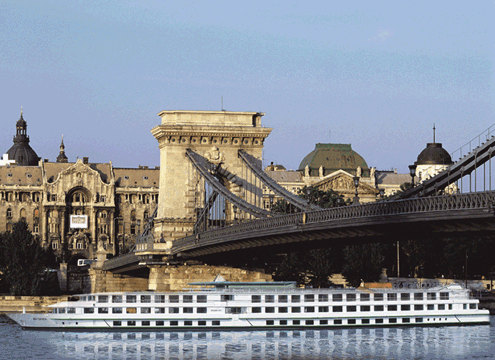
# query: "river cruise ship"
[[249, 306]]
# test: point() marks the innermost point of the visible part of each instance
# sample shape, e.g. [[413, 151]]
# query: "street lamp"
[[412, 172], [355, 201], [381, 192], [271, 196]]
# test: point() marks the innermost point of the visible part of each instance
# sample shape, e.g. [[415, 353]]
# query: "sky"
[[374, 74]]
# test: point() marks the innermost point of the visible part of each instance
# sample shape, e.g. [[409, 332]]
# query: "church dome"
[[21, 152], [434, 154], [334, 157]]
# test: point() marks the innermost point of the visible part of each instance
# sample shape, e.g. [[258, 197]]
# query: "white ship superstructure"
[[231, 305]]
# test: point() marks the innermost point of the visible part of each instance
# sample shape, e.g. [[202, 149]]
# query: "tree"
[[23, 261], [362, 263]]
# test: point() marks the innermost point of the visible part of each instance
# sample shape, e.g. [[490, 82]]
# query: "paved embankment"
[[33, 304]]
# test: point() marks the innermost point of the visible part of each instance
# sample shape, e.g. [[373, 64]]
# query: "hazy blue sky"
[[375, 74]]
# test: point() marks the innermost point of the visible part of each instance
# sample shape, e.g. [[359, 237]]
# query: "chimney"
[[85, 160]]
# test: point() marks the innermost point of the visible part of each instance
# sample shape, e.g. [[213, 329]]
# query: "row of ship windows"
[[280, 322], [271, 298], [257, 310]]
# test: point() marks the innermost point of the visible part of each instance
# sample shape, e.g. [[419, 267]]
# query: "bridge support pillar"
[[176, 278]]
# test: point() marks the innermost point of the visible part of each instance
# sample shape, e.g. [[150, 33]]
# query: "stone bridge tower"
[[216, 135]]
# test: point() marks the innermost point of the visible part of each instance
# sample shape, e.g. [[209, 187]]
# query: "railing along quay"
[[385, 208]]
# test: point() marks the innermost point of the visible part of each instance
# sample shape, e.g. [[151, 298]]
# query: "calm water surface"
[[467, 342]]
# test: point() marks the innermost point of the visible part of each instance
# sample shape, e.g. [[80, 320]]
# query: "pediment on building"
[[78, 173], [342, 182]]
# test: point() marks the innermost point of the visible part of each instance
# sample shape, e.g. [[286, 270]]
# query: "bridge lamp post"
[[355, 201], [235, 214], [271, 196], [381, 193], [412, 172]]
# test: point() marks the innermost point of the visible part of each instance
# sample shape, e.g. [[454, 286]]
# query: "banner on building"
[[79, 221]]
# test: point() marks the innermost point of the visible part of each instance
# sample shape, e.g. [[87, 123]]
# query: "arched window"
[[104, 214], [133, 215], [23, 214], [36, 213], [9, 213], [145, 216]]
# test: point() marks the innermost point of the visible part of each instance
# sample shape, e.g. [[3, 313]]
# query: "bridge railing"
[[405, 206]]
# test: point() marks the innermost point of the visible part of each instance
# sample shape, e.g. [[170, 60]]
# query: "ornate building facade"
[[115, 202]]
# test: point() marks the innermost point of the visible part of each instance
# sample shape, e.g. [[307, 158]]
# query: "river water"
[[451, 342]]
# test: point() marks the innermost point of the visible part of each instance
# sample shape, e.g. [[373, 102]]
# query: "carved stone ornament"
[[215, 156]]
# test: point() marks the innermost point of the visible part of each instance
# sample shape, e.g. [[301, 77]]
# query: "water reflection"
[[417, 342]]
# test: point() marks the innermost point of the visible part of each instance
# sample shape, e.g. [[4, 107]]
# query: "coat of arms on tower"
[[215, 156]]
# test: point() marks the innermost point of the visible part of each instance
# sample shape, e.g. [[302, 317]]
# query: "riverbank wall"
[[31, 304]]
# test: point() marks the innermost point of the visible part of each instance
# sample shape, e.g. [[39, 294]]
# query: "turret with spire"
[[62, 158]]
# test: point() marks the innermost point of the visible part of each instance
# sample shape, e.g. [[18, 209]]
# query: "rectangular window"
[[473, 306], [145, 299], [202, 323], [103, 310], [323, 297], [392, 308], [366, 308], [160, 310], [392, 297], [145, 323], [310, 322], [173, 310], [103, 298], [430, 307], [187, 323], [187, 298], [270, 322], [419, 320], [117, 299], [117, 323], [201, 299], [256, 310], [351, 297], [283, 310], [351, 321], [283, 298], [201, 310], [187, 310], [174, 323], [337, 322], [365, 321], [296, 309], [174, 299], [323, 309], [159, 298], [405, 307], [365, 297], [392, 321], [283, 322], [296, 322], [269, 298], [323, 322], [464, 306], [378, 297], [131, 323], [131, 310], [270, 310], [378, 307], [227, 297], [130, 298], [450, 306], [405, 296], [309, 309], [351, 308], [309, 298], [145, 310], [337, 308], [89, 310], [117, 310], [418, 296], [295, 298], [215, 322], [378, 321], [337, 297], [406, 320], [444, 296], [256, 298], [418, 307], [160, 323], [431, 296]]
